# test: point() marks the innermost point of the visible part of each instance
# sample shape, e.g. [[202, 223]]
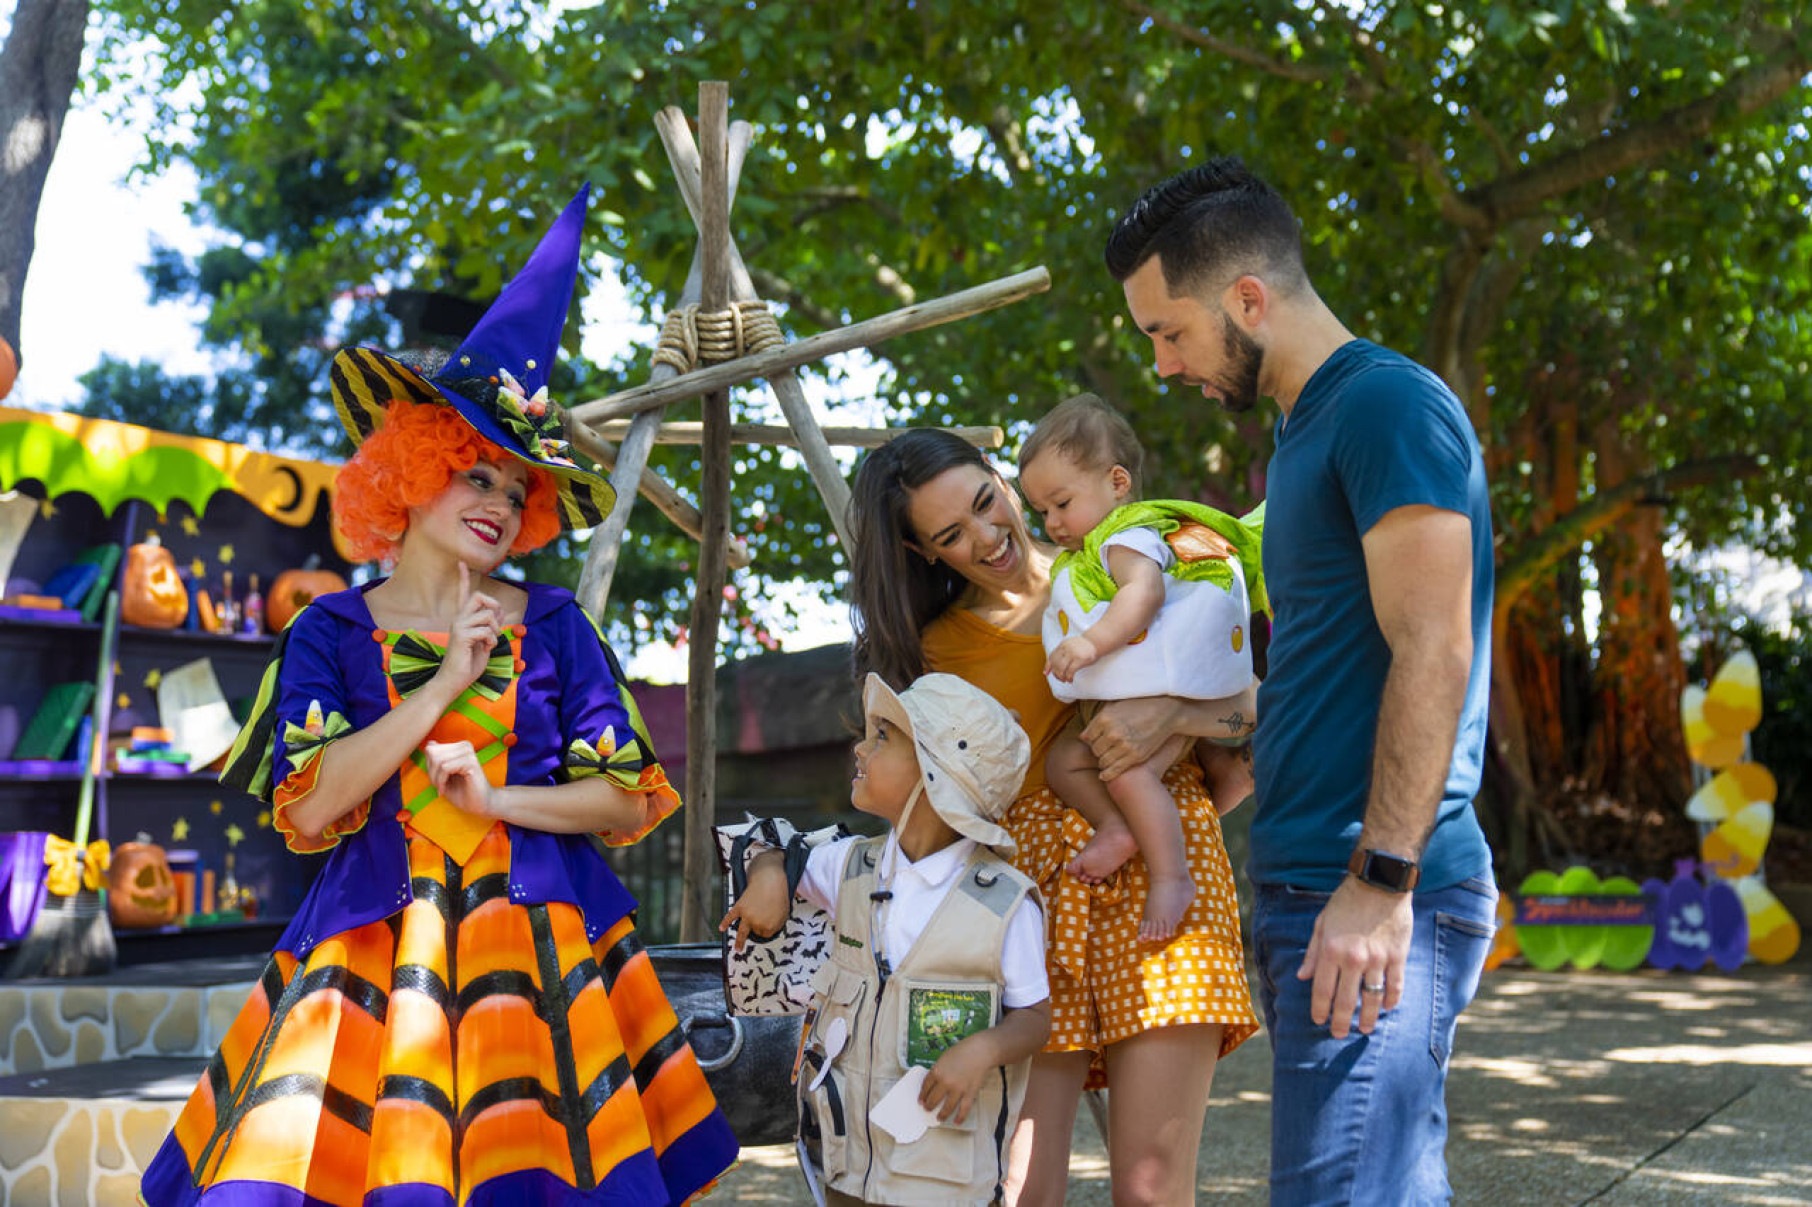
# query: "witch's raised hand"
[[477, 623]]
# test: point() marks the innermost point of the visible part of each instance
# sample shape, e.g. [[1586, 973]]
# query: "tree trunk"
[[38, 67], [1470, 293], [1541, 664], [1636, 752]]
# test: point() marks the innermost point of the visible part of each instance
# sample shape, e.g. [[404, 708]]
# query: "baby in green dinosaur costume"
[[1149, 598]]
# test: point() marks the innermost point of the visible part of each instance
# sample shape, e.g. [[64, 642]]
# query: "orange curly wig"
[[408, 461]]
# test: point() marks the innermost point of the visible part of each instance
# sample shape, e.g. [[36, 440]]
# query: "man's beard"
[[1245, 360]]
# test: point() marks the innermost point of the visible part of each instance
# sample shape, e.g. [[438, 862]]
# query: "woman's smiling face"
[[970, 520], [477, 515]]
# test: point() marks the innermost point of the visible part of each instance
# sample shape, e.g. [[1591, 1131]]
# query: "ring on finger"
[[1371, 986]]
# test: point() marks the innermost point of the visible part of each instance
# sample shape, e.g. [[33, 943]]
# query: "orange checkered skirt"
[[1106, 985], [464, 1050]]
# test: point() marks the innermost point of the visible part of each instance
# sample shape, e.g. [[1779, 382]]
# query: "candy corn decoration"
[[1733, 702], [1705, 745], [1773, 934], [1734, 846], [1730, 790], [1735, 806]]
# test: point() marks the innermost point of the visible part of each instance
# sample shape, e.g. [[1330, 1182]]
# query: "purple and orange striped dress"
[[461, 1012]]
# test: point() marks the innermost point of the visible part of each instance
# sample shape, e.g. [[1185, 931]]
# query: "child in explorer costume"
[[1150, 598], [934, 998]]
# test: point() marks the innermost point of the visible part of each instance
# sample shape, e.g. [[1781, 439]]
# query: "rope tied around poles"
[[690, 338]]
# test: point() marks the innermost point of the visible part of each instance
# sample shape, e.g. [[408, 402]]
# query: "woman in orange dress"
[[461, 1012], [945, 577]]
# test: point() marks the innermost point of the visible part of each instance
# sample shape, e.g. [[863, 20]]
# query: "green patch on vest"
[[937, 1018]]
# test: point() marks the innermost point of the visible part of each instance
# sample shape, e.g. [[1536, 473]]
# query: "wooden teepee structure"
[[719, 336]]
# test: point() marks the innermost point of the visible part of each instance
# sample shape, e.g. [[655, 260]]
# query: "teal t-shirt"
[[1372, 431]]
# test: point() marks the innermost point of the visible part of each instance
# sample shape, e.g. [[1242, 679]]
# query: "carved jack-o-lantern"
[[140, 890], [154, 594], [294, 589]]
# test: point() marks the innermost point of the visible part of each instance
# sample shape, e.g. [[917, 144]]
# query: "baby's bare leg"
[[1076, 778], [1151, 814]]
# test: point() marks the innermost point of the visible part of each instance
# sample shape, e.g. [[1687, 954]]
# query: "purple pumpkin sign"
[[1697, 923]]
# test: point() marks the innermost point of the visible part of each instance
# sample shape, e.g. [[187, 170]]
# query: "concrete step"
[[84, 1134], [177, 1009]]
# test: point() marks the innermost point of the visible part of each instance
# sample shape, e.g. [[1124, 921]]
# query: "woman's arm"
[[1127, 732], [355, 765]]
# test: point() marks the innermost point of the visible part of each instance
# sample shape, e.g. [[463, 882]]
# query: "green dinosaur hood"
[[1093, 584]]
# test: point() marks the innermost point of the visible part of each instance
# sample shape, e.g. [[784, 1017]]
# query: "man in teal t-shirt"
[[1375, 904]]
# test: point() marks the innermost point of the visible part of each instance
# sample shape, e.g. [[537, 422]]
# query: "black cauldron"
[[748, 1061]]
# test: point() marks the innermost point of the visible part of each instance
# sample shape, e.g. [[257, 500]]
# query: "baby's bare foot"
[[1165, 904], [1102, 855]]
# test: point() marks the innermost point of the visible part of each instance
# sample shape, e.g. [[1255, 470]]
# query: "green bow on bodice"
[[414, 660]]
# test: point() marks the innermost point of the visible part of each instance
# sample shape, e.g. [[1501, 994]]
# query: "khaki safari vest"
[[946, 987]]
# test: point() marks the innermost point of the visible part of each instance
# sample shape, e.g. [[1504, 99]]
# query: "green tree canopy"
[[1590, 216]]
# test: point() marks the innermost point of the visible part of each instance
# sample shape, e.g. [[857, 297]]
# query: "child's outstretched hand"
[[952, 1083], [1070, 656], [765, 903]]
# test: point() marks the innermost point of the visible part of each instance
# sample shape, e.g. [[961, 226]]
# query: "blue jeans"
[[1364, 1119]]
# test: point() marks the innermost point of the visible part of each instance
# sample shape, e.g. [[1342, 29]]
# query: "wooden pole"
[[826, 474], [699, 897], [629, 465], [867, 333], [783, 436]]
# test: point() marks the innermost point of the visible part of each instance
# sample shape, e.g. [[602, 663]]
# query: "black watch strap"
[[1381, 869]]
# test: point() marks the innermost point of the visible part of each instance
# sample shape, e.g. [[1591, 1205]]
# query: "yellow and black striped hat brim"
[[365, 381]]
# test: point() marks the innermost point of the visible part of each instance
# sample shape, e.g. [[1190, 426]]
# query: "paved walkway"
[[1567, 1087]]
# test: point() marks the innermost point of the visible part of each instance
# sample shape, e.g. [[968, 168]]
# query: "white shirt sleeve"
[[1143, 541], [823, 874], [1025, 982]]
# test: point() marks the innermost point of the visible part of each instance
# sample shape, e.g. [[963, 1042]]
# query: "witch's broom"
[[71, 935]]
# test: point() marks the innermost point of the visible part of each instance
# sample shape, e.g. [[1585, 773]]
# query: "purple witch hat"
[[497, 378]]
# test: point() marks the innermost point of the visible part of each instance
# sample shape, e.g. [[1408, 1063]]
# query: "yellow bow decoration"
[[71, 868]]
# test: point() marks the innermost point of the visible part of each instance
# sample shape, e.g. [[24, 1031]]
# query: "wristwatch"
[[1380, 869]]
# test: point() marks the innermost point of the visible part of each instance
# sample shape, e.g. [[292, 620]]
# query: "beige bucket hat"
[[972, 753]]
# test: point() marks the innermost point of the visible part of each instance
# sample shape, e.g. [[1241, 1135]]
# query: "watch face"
[[1386, 871], [1392, 871]]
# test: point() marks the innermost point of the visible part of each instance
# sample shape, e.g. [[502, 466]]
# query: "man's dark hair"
[[1208, 225]]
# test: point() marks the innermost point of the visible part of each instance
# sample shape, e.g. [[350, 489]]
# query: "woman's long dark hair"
[[893, 591]]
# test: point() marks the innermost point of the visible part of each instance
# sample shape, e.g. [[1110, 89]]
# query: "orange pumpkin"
[[9, 368], [140, 890], [295, 588], [155, 596]]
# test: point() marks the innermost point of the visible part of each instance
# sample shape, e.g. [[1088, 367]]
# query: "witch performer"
[[461, 1012]]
